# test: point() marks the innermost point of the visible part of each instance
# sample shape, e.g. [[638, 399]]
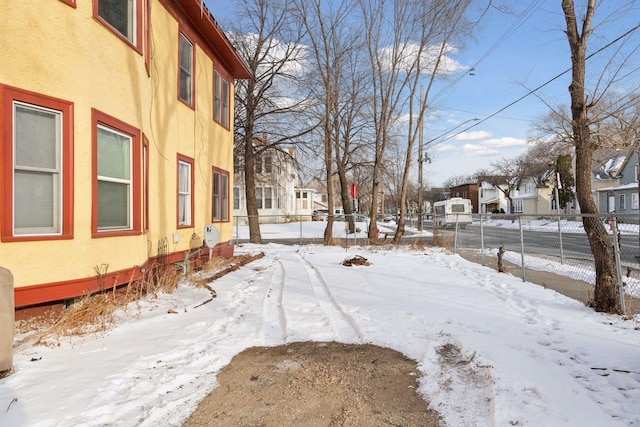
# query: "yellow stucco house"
[[116, 139]]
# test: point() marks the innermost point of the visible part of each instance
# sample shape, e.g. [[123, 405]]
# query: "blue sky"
[[510, 54]]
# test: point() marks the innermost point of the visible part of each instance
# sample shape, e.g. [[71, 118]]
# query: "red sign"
[[354, 191]]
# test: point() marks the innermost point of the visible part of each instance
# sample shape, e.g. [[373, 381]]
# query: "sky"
[[534, 357], [515, 49]]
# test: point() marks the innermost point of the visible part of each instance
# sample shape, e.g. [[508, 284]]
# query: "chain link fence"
[[557, 244]]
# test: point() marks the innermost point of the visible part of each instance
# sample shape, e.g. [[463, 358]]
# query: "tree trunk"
[[606, 290], [250, 189]]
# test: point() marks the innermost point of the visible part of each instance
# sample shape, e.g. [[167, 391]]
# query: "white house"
[[491, 199], [277, 183]]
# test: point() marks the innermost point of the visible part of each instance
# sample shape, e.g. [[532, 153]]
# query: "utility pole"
[[420, 159]]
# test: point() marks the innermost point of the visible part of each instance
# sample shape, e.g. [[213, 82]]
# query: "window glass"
[[37, 178], [114, 179], [236, 198], [224, 202], [216, 96], [225, 104], [221, 195], [259, 197], [184, 193], [120, 15], [220, 99], [268, 198], [267, 164], [186, 70], [216, 196]]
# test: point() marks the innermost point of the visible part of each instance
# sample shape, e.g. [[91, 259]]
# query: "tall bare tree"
[[506, 175], [333, 42], [268, 40], [405, 41], [606, 298], [431, 27]]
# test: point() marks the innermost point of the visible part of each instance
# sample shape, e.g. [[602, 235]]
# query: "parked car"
[[320, 215], [362, 218]]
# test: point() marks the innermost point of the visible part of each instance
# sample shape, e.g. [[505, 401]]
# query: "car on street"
[[320, 215]]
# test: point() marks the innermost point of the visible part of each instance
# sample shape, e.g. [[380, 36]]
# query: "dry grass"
[[96, 312]]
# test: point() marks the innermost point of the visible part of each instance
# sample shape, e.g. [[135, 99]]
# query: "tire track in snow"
[[274, 326], [343, 325]]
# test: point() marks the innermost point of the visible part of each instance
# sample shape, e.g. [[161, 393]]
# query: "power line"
[[532, 91]]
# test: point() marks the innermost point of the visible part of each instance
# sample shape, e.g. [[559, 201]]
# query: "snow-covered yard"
[[534, 356]]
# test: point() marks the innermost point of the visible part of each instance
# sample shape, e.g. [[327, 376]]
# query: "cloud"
[[479, 150], [446, 148], [504, 142], [472, 136], [428, 59]]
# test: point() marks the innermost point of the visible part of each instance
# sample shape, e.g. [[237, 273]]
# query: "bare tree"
[[403, 39], [507, 175], [269, 42], [430, 27], [606, 298], [456, 180], [333, 49]]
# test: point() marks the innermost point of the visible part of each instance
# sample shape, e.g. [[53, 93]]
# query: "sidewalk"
[[576, 289]]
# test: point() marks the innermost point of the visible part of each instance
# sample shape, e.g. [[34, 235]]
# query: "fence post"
[[455, 236], [560, 234], [482, 238], [300, 220], [616, 246], [524, 274], [237, 229]]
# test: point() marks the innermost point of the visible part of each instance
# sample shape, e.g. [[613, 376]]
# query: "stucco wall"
[[55, 50]]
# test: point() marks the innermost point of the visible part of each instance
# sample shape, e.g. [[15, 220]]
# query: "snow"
[[492, 350]]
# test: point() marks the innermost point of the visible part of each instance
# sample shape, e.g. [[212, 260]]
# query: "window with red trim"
[[37, 161], [220, 99], [186, 87], [147, 37], [145, 184], [123, 17], [116, 202], [220, 208], [185, 191]]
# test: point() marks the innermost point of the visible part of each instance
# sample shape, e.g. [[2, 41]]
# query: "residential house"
[[321, 197], [321, 200], [533, 198], [278, 196], [117, 141], [622, 197], [469, 191], [491, 199]]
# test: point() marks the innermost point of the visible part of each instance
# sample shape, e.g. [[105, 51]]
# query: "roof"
[[202, 20], [630, 186], [486, 202]]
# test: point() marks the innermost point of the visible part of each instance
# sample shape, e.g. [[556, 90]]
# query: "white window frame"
[[128, 183], [55, 228], [184, 194], [518, 206], [622, 202]]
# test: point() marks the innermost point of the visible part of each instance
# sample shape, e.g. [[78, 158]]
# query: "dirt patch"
[[316, 384]]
